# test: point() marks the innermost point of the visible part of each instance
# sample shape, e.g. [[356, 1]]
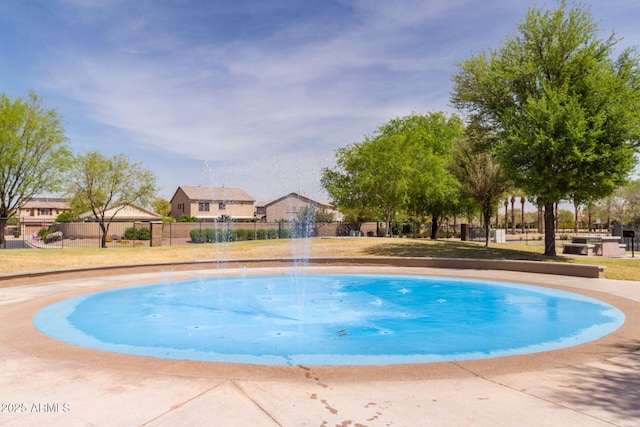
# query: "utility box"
[[500, 236]]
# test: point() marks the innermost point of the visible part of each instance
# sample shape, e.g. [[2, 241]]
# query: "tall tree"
[[400, 168], [100, 183], [434, 191], [481, 177], [568, 115], [33, 153], [370, 177]]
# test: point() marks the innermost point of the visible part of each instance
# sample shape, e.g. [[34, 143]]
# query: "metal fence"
[[129, 234], [71, 235]]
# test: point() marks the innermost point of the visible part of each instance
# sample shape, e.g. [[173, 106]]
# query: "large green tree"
[[100, 183], [434, 192], [566, 113], [33, 153], [401, 168], [370, 179]]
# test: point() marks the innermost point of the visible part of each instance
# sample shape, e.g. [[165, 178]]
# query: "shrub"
[[43, 233], [272, 234], [261, 234], [241, 234], [284, 233], [133, 233], [206, 235], [130, 233], [371, 233], [144, 233], [187, 218], [225, 236], [198, 235]]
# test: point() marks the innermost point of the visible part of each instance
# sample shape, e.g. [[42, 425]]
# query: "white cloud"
[[267, 110]]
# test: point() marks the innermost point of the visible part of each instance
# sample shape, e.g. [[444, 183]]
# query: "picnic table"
[[607, 246]]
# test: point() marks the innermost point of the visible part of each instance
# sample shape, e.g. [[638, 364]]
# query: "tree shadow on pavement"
[[611, 386]]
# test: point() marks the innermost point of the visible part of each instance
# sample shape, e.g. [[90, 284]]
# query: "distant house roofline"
[[205, 193], [299, 196]]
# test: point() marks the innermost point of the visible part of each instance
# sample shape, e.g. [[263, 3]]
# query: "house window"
[[292, 209], [203, 206], [44, 212], [222, 206]]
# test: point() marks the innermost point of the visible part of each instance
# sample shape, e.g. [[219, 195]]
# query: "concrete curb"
[[542, 267]]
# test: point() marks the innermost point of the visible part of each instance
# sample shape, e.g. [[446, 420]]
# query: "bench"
[[579, 249]]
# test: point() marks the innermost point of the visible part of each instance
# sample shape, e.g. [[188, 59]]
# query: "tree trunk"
[[3, 240], [434, 227], [506, 215], [576, 206], [487, 223], [513, 215], [388, 223], [103, 238], [549, 230]]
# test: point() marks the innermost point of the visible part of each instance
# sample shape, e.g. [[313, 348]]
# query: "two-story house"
[[288, 207], [40, 211], [211, 203]]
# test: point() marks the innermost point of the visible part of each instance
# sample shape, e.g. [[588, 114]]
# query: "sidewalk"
[[46, 382]]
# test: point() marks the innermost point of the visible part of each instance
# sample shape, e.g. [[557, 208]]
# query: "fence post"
[[156, 233]]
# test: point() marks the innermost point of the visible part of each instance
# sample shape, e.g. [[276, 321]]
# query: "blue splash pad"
[[329, 319]]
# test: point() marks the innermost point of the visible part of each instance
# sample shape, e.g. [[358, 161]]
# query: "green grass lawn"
[[20, 260]]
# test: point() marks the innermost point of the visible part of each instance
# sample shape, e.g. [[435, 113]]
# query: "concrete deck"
[[46, 382]]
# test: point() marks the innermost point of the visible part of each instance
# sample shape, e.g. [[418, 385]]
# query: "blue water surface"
[[328, 319]]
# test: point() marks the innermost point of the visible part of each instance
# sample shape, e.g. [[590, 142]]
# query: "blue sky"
[[256, 94]]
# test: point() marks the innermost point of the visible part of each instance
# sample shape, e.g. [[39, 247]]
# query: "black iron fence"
[[141, 234], [128, 234]]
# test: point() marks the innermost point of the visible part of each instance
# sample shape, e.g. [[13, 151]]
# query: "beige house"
[[287, 208], [210, 203], [125, 213], [42, 210]]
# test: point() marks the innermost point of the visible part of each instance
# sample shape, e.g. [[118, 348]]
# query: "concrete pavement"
[[46, 382]]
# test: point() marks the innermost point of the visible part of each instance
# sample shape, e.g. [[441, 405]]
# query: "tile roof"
[[197, 192], [298, 196], [46, 203]]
